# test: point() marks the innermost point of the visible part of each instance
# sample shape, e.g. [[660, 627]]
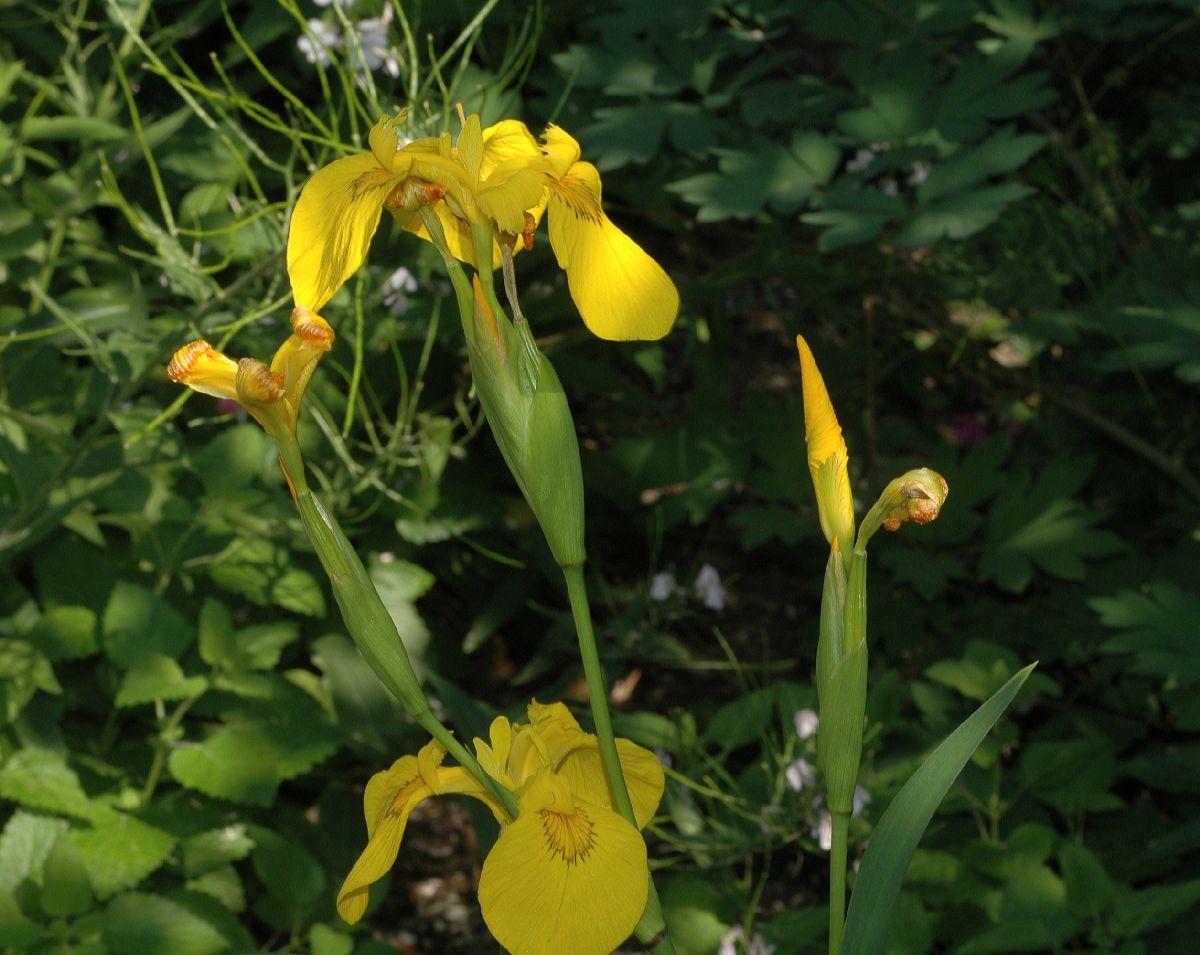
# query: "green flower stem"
[[482, 233], [837, 881], [454, 268], [653, 927], [369, 623], [577, 593]]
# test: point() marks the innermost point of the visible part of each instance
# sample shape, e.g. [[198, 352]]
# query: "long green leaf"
[[904, 822]]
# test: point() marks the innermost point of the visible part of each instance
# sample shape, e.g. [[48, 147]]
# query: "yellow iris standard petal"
[[507, 140], [566, 877], [827, 455], [620, 291], [561, 149], [513, 187], [333, 223]]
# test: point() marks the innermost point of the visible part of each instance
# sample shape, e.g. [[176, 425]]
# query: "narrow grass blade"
[[904, 822]]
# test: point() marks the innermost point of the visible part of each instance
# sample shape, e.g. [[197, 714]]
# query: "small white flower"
[[376, 49], [316, 46], [755, 945], [801, 775], [708, 588], [862, 799], [823, 831], [396, 288], [806, 723], [663, 586], [326, 3]]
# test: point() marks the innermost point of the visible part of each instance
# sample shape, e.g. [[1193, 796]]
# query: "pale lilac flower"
[[663, 586], [708, 587], [862, 799], [376, 49], [396, 289], [823, 831], [317, 46], [806, 723], [801, 775], [755, 945]]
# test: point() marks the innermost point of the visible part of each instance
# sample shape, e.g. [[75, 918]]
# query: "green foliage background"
[[982, 217]]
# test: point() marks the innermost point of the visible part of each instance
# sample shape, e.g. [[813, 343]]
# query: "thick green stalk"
[[837, 881]]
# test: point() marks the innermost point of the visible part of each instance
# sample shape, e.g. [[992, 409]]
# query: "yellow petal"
[[458, 232], [333, 223], [641, 768], [506, 140], [561, 149], [827, 455], [513, 187], [566, 877], [620, 291], [389, 800], [470, 146]]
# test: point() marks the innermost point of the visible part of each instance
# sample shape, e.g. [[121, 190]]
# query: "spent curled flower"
[[923, 492]]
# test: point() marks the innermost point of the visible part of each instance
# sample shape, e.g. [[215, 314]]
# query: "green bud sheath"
[[843, 704], [366, 618], [527, 409]]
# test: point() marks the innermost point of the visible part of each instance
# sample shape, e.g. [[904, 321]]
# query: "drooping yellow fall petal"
[[333, 223], [620, 291], [389, 800], [566, 877], [827, 455]]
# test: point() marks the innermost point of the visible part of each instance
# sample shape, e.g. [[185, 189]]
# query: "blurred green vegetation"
[[982, 217]]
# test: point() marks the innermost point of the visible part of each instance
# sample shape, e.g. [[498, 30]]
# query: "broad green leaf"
[[324, 940], [360, 700], [138, 623], [120, 850], [1071, 774], [246, 761], [222, 883], [261, 572], [17, 933], [66, 890], [157, 677], [23, 671], [1033, 914], [65, 633], [1137, 912], [24, 845], [289, 873], [904, 822], [215, 847], [1158, 627], [140, 924], [1089, 888], [39, 779]]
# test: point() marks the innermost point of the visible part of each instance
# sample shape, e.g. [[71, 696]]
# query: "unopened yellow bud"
[[204, 369]]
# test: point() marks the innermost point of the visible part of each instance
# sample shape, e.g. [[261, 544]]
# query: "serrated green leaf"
[[247, 761], [1071, 774], [905, 820], [766, 177], [289, 873], [120, 850], [853, 216], [138, 623], [1157, 627], [66, 890], [960, 214], [223, 884], [24, 845], [17, 933], [1034, 523], [259, 571], [39, 779], [1001, 152], [140, 924], [157, 677], [214, 848], [65, 633], [23, 671]]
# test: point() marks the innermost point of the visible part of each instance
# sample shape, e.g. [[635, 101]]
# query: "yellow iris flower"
[[498, 175], [568, 874], [827, 456], [271, 393]]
